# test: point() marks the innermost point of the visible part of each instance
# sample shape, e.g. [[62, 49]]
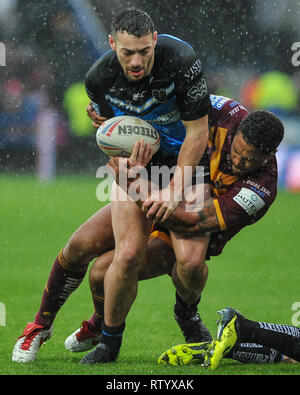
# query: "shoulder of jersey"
[[225, 112], [107, 59], [174, 45], [225, 104]]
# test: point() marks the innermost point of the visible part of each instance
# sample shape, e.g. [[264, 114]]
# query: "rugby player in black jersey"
[[159, 79]]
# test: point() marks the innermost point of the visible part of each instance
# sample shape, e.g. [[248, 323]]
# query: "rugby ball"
[[117, 135]]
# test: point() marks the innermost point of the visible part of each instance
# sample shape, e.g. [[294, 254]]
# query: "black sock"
[[112, 335], [283, 338], [254, 353], [183, 309]]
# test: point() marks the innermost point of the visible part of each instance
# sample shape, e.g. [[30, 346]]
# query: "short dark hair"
[[263, 130], [133, 21]]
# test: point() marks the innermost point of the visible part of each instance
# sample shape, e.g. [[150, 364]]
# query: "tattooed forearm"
[[198, 222], [207, 217]]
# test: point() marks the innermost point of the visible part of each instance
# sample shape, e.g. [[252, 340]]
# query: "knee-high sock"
[[254, 353], [63, 280], [95, 322], [283, 338]]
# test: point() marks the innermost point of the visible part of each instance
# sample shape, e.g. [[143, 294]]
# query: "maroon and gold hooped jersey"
[[238, 201]]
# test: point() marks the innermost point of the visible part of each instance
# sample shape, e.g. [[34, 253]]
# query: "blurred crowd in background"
[[245, 49]]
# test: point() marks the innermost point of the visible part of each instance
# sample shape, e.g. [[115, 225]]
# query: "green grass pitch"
[[258, 273]]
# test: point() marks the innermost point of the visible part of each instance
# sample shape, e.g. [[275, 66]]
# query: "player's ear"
[[155, 38], [269, 156], [112, 42]]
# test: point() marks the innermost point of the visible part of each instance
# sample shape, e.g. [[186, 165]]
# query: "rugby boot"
[[184, 354], [193, 328], [104, 352], [29, 343], [226, 337], [83, 339]]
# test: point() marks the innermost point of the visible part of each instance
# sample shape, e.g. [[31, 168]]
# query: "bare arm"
[[198, 222], [190, 154], [191, 150], [201, 220]]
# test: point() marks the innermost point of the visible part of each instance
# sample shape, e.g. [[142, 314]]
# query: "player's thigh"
[[160, 258], [130, 226], [93, 237], [190, 252]]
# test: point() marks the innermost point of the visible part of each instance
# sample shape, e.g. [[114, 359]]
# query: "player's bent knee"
[[130, 258], [100, 266], [192, 264], [79, 247]]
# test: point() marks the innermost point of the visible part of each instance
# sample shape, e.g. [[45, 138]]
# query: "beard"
[[139, 73]]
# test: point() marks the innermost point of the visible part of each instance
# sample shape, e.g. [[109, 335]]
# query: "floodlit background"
[[248, 50]]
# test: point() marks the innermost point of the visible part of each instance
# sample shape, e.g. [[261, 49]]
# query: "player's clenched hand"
[[97, 120], [160, 205]]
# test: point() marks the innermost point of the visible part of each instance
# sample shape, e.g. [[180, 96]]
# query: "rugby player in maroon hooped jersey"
[[243, 171]]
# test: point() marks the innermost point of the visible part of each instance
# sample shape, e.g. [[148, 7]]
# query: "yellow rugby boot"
[[225, 339], [184, 354]]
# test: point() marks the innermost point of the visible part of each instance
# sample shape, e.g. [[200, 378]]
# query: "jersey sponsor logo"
[[255, 185], [260, 193], [234, 111], [194, 70], [199, 90], [250, 201], [218, 101]]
